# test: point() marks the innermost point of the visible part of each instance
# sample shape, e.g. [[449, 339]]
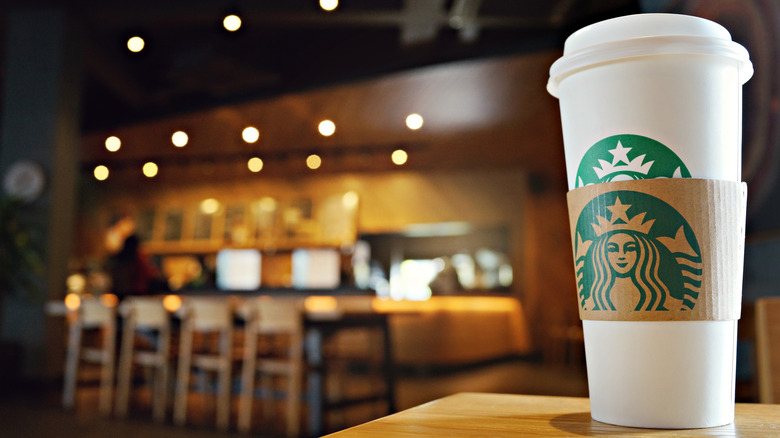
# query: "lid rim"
[[653, 45]]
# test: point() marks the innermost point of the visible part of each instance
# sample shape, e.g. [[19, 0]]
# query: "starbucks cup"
[[644, 97]]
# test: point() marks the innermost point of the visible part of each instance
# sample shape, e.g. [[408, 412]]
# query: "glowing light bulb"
[[326, 128], [232, 22], [255, 164], [100, 172], [250, 134], [414, 121], [150, 169], [135, 44], [329, 5], [399, 157], [313, 161], [113, 143], [179, 139]]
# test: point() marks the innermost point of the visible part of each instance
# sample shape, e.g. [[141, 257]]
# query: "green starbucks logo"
[[628, 157], [635, 252]]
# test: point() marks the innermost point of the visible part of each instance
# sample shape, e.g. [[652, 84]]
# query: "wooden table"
[[504, 415]]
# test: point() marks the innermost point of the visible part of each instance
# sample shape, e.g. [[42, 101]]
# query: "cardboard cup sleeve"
[[659, 249]]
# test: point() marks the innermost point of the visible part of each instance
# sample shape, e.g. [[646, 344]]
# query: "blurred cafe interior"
[[391, 170]]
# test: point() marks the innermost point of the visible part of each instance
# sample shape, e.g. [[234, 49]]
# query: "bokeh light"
[[209, 206], [250, 134], [135, 44], [399, 157], [414, 121], [100, 172], [313, 161], [329, 5], [109, 300], [172, 303], [72, 302], [179, 139], [113, 143], [150, 169], [267, 204], [255, 164], [76, 283], [232, 22], [350, 199], [326, 128]]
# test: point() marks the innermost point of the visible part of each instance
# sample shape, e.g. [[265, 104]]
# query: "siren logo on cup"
[[626, 157], [635, 252]]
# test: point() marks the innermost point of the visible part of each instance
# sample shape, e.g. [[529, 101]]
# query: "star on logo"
[[619, 154], [620, 220], [619, 211]]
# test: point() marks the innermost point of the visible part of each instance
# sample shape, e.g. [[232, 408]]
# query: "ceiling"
[[190, 62]]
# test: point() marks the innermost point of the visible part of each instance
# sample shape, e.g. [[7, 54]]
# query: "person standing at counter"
[[130, 269]]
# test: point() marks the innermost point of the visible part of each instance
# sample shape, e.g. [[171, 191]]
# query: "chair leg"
[[247, 382], [107, 370], [293, 403], [71, 365], [183, 376], [294, 384], [223, 397], [159, 392], [161, 378], [125, 365], [269, 396]]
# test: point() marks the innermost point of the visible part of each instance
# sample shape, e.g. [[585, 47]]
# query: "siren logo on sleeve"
[[635, 252], [629, 157]]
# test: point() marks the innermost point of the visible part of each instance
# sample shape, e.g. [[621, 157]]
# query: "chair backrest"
[[94, 313], [148, 312], [276, 315], [208, 313], [768, 349]]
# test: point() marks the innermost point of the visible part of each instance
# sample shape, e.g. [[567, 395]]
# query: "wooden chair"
[[768, 349], [144, 314], [272, 318], [91, 314], [205, 316]]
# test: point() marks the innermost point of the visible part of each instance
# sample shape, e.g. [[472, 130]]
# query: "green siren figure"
[[627, 260]]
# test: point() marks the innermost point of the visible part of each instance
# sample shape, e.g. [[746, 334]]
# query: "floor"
[[39, 414]]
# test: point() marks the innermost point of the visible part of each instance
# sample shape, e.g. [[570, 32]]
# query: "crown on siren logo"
[[620, 155], [621, 221]]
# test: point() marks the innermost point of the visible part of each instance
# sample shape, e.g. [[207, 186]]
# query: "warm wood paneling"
[[478, 114]]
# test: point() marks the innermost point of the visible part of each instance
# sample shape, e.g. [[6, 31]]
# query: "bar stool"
[[205, 316], [144, 314], [92, 314], [267, 317]]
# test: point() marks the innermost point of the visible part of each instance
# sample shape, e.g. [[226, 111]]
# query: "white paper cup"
[[668, 86]]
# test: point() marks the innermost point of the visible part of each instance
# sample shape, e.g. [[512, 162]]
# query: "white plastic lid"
[[642, 35]]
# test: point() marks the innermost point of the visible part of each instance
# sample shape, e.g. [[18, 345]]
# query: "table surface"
[[505, 415]]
